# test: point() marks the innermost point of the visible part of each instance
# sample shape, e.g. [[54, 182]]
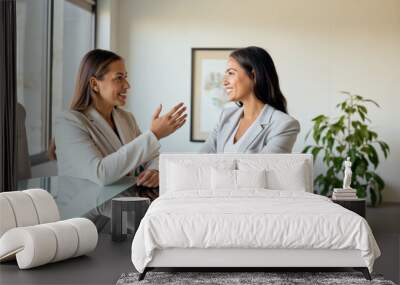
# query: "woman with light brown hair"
[[99, 141]]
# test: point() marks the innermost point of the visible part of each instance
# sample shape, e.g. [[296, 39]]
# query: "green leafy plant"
[[348, 135]]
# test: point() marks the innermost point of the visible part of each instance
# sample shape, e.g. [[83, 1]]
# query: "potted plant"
[[348, 135]]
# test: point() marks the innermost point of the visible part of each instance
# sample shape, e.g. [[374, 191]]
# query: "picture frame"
[[208, 96]]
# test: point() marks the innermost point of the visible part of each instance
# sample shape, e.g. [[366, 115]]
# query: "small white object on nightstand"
[[347, 174]]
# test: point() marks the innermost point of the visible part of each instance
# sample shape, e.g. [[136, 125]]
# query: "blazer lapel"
[[102, 126], [230, 127], [256, 130], [124, 130]]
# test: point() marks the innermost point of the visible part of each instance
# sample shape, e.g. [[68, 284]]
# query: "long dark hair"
[[260, 67], [95, 63]]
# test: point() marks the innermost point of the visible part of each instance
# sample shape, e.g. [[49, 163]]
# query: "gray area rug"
[[228, 278]]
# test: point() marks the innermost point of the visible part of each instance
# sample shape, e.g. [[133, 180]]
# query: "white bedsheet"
[[251, 218]]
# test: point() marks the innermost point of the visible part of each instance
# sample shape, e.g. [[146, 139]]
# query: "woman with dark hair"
[[99, 141], [259, 123]]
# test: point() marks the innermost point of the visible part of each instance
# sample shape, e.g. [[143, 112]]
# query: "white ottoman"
[[31, 233]]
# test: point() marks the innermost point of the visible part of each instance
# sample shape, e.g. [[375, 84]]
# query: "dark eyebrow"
[[121, 73]]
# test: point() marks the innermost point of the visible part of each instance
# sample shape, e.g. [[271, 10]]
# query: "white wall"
[[319, 47]]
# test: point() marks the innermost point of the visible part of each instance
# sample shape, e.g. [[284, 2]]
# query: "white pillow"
[[184, 178], [294, 179], [280, 174], [237, 179], [223, 179], [251, 178], [191, 176]]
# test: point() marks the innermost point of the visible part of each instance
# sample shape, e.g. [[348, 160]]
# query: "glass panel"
[[73, 37], [78, 40], [74, 196], [32, 69]]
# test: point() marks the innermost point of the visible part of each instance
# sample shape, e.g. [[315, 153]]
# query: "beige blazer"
[[87, 147], [275, 132]]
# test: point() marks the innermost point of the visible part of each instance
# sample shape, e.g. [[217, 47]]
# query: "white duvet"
[[252, 218]]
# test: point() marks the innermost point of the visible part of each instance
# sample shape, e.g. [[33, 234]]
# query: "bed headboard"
[[286, 169]]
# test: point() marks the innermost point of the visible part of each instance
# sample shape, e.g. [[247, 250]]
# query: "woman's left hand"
[[148, 178]]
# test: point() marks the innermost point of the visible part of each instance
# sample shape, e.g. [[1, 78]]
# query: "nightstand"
[[358, 206]]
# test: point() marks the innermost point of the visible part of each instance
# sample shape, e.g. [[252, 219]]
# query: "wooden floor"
[[110, 260]]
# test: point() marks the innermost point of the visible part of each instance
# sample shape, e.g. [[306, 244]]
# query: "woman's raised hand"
[[167, 124]]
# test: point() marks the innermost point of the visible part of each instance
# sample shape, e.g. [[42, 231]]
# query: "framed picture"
[[208, 94]]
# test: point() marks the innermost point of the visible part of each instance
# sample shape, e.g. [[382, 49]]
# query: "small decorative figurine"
[[347, 174]]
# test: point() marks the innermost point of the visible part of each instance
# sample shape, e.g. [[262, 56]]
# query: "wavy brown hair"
[[94, 64]]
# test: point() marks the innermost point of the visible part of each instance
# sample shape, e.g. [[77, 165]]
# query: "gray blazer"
[[87, 147], [276, 132]]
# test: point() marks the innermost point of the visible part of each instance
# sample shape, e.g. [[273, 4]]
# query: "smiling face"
[[112, 88], [238, 85]]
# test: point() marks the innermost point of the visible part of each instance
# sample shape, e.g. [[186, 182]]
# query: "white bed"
[[247, 211]]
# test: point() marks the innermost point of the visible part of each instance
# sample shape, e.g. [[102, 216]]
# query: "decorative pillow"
[[183, 178], [294, 179], [251, 178], [189, 176], [223, 179], [236, 179], [280, 174]]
